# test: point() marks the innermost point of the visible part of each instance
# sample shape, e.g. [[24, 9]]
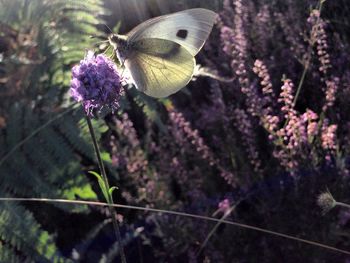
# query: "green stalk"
[[109, 200], [301, 82], [307, 64], [308, 61]]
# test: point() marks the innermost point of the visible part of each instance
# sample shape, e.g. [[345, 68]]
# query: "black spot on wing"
[[182, 33]]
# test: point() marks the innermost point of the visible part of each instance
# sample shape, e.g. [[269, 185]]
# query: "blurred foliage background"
[[185, 153]]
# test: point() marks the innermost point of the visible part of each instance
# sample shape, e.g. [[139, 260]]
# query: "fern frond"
[[20, 232], [46, 163]]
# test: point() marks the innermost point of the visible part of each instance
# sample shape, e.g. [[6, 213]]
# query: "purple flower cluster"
[[239, 134], [328, 136], [293, 37], [263, 28], [128, 156], [261, 70], [245, 127], [319, 38], [298, 137], [96, 83], [184, 134], [287, 97], [331, 90]]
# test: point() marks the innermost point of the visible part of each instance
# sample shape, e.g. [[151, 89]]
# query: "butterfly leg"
[[106, 50]]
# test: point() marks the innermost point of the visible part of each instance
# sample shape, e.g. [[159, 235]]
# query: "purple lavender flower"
[[96, 83]]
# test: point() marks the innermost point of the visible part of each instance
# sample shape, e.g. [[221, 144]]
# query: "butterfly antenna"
[[122, 74], [109, 29], [99, 42], [97, 36]]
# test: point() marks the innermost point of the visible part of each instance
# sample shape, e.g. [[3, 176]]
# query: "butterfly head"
[[118, 42]]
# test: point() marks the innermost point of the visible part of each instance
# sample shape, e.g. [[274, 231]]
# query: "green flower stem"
[[112, 210], [309, 56], [301, 81], [306, 64]]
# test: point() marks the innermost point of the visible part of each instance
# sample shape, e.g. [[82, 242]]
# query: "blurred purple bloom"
[[96, 83], [224, 206]]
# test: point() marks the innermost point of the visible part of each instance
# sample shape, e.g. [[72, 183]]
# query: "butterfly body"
[[120, 46], [159, 53]]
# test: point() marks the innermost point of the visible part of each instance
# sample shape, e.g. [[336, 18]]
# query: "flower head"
[[326, 201], [96, 83]]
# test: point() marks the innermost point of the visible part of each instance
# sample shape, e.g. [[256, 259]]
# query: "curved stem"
[[148, 209], [342, 204], [112, 210], [211, 233]]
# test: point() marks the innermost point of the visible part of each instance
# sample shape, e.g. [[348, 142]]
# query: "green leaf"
[[102, 184], [106, 157], [84, 192], [111, 190]]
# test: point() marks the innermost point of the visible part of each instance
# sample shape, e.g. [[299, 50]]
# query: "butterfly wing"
[[189, 28], [159, 67]]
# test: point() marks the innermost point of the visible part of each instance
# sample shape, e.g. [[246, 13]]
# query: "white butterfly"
[[159, 53]]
